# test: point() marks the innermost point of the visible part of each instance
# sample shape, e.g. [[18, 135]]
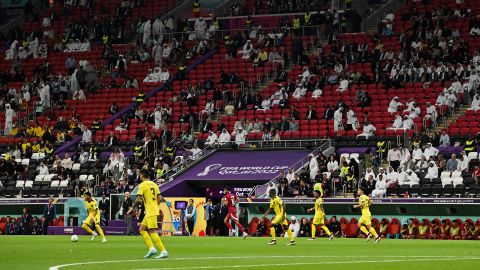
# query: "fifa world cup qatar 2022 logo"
[[252, 170]]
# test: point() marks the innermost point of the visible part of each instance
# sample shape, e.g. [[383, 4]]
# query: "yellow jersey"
[[366, 204], [92, 207], [318, 207], [277, 205], [149, 191]]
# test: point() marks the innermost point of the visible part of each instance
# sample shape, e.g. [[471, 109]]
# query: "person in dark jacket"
[[49, 213]]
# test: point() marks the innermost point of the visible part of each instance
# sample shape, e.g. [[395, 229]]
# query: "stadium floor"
[[123, 252]]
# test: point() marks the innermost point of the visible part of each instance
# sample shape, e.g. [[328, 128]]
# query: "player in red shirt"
[[230, 200]]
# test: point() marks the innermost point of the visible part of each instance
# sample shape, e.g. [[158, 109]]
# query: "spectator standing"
[[208, 216], [27, 222], [127, 212], [104, 206], [49, 213], [190, 216], [444, 139], [394, 156]]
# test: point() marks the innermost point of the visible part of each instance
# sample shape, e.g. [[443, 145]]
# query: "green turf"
[[42, 252]]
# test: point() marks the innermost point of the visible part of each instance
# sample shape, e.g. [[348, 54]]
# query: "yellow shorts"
[[365, 220], [92, 219], [150, 222], [318, 220], [279, 220]]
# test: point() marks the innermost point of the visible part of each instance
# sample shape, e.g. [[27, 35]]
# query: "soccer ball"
[[74, 238]]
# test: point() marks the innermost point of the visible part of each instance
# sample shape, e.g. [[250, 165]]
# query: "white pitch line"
[[310, 263], [57, 267]]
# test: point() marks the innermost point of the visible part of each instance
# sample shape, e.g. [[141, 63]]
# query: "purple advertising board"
[[244, 165]]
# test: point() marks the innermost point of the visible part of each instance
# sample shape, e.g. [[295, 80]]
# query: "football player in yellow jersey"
[[149, 193], [277, 205], [319, 217], [365, 222], [93, 217]]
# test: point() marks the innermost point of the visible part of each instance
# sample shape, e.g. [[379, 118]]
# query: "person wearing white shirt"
[[456, 86], [451, 99], [369, 172], [407, 123], [150, 77], [431, 112], [343, 86], [332, 165], [266, 103], [398, 122], [196, 152], [67, 162], [415, 111], [294, 226], [352, 121], [317, 93], [394, 156], [305, 75], [300, 90], [402, 176], [392, 176], [380, 187], [337, 119], [417, 153], [475, 103], [393, 105], [432, 171], [200, 27], [42, 169], [164, 75], [209, 107], [247, 49], [86, 135], [313, 166], [412, 178], [79, 95], [212, 138], [224, 137], [240, 136], [157, 116], [430, 151], [9, 113], [441, 100], [462, 163], [290, 176], [368, 130]]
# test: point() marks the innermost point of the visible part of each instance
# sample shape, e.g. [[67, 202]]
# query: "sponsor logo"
[[252, 170]]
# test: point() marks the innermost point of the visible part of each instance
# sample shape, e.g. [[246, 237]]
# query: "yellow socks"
[[373, 232], [156, 239], [147, 239], [272, 233], [87, 228], [99, 230], [326, 230], [290, 234], [314, 231], [364, 230]]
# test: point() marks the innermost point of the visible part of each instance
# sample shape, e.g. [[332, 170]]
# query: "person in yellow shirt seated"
[[445, 230], [35, 147], [30, 131], [14, 131], [25, 146], [261, 58], [424, 230], [455, 231], [383, 228]]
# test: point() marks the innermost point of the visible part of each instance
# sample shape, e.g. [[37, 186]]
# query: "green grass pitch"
[[122, 252]]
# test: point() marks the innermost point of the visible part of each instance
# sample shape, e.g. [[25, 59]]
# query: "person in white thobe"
[[368, 130], [212, 138], [240, 136], [393, 105], [411, 178], [224, 137], [352, 119], [343, 86], [157, 116], [475, 103], [407, 123], [147, 33], [430, 151], [398, 123], [380, 187], [337, 119], [432, 171], [313, 166], [417, 153], [9, 113]]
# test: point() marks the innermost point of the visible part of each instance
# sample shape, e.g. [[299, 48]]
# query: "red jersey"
[[231, 200]]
